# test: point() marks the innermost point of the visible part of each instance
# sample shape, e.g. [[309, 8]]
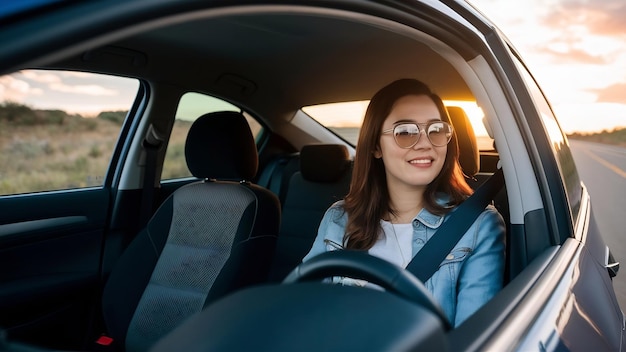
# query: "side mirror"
[[611, 264]]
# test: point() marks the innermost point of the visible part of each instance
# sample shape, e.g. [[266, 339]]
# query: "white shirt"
[[395, 245]]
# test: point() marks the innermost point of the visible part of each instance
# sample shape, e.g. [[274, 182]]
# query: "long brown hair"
[[368, 200]]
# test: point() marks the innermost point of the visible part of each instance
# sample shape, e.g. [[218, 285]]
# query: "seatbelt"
[[268, 172], [426, 262], [151, 144], [274, 175]]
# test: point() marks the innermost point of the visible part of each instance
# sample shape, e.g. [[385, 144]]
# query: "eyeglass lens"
[[408, 134]]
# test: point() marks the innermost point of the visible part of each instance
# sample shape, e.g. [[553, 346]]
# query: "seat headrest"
[[220, 145], [324, 162], [469, 157]]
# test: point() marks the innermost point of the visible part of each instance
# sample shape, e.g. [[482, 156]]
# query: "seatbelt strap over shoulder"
[[426, 262], [151, 144]]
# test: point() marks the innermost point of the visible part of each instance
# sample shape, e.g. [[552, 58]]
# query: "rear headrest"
[[324, 162], [220, 145], [469, 157]]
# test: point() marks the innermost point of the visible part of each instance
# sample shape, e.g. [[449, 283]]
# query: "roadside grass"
[[51, 156], [175, 165], [45, 150], [46, 157]]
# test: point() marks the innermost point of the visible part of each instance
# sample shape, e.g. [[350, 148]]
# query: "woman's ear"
[[377, 153]]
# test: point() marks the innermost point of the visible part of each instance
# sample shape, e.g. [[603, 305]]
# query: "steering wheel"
[[361, 265]]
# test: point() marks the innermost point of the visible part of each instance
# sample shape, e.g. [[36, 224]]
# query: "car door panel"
[[572, 304], [569, 318], [594, 303], [52, 243]]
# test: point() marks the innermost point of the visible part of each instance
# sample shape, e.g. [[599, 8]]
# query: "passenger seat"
[[207, 239], [323, 178]]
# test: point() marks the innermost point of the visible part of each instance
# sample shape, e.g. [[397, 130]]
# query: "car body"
[[271, 60]]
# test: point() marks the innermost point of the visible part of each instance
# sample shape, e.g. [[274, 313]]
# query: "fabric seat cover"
[[207, 239]]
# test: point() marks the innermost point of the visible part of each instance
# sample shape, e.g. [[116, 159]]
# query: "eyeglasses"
[[407, 135]]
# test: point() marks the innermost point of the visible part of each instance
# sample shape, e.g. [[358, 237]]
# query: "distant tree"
[[114, 116], [57, 117], [20, 114], [616, 137], [17, 113]]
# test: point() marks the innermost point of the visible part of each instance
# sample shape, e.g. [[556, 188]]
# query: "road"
[[603, 170]]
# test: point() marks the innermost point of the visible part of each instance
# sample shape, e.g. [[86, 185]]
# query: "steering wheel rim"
[[361, 265]]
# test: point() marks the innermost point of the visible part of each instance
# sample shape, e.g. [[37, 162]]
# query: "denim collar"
[[429, 219]]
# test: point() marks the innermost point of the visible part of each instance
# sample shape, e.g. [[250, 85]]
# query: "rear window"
[[345, 119], [191, 106]]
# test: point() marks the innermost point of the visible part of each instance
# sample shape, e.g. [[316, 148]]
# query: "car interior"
[[216, 248]]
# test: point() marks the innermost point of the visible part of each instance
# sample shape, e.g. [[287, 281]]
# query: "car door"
[[56, 189], [582, 311], [564, 299]]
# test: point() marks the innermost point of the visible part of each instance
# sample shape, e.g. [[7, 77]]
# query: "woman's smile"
[[421, 162]]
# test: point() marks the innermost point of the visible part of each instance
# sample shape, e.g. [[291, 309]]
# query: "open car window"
[[58, 129]]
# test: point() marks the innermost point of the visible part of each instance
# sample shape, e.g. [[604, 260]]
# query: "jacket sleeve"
[[481, 276], [331, 228]]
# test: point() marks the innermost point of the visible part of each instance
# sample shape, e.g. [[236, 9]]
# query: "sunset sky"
[[575, 48]]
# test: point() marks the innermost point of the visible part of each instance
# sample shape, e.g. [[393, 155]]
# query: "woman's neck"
[[406, 203]]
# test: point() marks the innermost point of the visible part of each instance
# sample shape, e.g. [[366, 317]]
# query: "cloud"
[[27, 84], [41, 76], [584, 31], [90, 89], [599, 17], [55, 82], [615, 93], [572, 55], [13, 89]]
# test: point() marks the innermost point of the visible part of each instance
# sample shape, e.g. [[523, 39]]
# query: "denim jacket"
[[468, 277]]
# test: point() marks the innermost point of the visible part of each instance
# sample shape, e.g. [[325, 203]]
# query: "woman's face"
[[419, 165]]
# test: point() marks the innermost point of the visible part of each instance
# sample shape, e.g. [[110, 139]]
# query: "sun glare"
[[350, 114], [346, 114]]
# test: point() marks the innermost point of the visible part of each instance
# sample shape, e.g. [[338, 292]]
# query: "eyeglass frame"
[[420, 128]]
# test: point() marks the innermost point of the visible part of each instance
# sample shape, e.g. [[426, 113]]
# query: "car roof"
[[275, 59]]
